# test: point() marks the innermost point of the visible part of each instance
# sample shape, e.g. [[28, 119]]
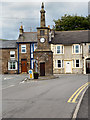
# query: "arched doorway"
[[88, 66]]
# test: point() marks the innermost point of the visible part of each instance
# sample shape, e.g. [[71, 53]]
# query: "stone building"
[[43, 53], [46, 51]]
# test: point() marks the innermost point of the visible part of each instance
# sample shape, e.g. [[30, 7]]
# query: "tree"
[[68, 22]]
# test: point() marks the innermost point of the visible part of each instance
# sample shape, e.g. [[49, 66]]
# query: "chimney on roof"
[[21, 30]]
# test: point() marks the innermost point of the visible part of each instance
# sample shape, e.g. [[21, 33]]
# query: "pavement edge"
[[74, 116]]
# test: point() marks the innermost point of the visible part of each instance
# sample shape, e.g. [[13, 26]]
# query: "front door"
[[24, 65], [87, 66], [68, 67], [42, 69]]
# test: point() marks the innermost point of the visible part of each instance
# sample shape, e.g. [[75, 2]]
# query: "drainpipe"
[[18, 58], [82, 59], [30, 55]]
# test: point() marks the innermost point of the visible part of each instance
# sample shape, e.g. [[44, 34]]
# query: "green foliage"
[[68, 22]]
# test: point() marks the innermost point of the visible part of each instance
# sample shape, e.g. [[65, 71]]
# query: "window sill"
[[58, 68], [58, 53], [23, 52], [77, 53], [76, 67], [12, 57], [12, 69]]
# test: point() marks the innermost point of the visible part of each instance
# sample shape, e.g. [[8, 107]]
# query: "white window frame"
[[79, 63], [23, 48], [60, 63], [15, 65], [56, 63], [61, 49], [12, 53], [88, 48], [73, 63], [74, 49]]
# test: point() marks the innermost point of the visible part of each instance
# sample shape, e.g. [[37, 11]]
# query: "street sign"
[[30, 74]]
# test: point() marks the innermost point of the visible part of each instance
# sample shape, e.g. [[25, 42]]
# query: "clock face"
[[42, 40]]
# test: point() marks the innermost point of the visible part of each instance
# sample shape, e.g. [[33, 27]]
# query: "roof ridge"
[[73, 31], [30, 32]]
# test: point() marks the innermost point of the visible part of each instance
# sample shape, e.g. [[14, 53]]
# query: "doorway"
[[42, 69], [23, 65], [88, 66], [68, 67]]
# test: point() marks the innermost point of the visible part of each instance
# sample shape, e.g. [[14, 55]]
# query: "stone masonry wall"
[[47, 57], [24, 56], [5, 58]]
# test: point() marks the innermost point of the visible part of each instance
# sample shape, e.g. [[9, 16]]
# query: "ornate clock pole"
[[43, 51]]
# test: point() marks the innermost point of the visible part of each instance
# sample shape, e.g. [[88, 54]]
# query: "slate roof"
[[71, 37], [28, 37], [8, 44]]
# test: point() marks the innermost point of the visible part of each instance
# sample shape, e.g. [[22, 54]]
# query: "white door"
[[68, 67]]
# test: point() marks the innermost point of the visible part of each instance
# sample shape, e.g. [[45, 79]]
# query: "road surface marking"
[[74, 99], [78, 105], [8, 86], [76, 92]]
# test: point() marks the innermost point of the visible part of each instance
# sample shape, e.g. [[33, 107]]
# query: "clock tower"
[[43, 53]]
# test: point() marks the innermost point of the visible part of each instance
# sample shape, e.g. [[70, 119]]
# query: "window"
[[32, 49], [41, 32], [89, 49], [12, 54], [23, 48], [76, 49], [59, 63], [60, 49], [12, 65], [77, 63]]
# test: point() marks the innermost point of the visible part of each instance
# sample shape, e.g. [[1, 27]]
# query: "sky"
[[15, 13]]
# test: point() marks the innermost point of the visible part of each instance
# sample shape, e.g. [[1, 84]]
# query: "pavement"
[[46, 97], [83, 112]]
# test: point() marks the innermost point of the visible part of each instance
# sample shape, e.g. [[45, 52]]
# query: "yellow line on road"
[[74, 100], [76, 92]]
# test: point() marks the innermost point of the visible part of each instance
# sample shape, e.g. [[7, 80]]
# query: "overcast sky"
[[13, 13]]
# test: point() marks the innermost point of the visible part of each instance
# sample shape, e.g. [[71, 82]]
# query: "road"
[[41, 99]]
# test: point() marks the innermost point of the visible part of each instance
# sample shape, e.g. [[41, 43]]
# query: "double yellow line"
[[73, 98]]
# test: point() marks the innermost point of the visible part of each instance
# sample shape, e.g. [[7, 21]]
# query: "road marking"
[[76, 94], [74, 99], [8, 78], [8, 86], [78, 105]]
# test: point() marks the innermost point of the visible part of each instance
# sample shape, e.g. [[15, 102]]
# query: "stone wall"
[[43, 46], [47, 57], [5, 58], [24, 56]]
